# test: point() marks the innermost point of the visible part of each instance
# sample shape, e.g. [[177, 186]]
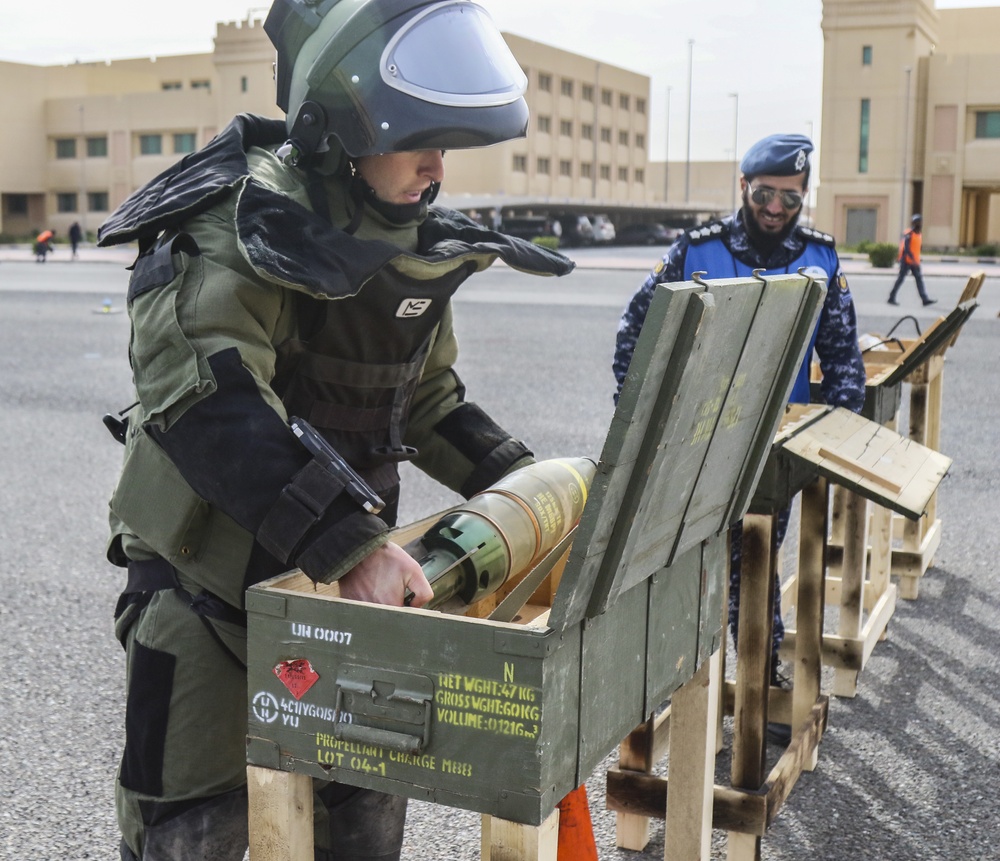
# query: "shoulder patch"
[[155, 268], [817, 236]]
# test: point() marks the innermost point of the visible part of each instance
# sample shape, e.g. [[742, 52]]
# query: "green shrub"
[[551, 242], [864, 246], [882, 254], [990, 249]]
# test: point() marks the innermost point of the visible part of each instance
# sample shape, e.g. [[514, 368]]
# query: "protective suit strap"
[[301, 504]]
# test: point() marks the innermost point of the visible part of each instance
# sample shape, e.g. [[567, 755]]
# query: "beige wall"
[[125, 99], [923, 153]]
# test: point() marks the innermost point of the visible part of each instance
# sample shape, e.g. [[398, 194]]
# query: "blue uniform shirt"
[[723, 249]]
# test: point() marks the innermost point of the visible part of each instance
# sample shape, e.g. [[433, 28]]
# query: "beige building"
[[89, 134], [911, 121]]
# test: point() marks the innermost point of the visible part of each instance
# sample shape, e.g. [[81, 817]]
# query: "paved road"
[[908, 769]]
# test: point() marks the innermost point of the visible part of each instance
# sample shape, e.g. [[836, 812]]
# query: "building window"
[[587, 92], [544, 165], [605, 171], [640, 175], [623, 137], [184, 142], [566, 128], [544, 82], [988, 124], [97, 147], [170, 85], [520, 164], [866, 55], [866, 106], [97, 201], [606, 97], [640, 140], [605, 134], [66, 201], [244, 84], [623, 174], [623, 101], [544, 124], [586, 170], [17, 204], [566, 87], [587, 132], [565, 167], [201, 85], [65, 147], [640, 106], [150, 144]]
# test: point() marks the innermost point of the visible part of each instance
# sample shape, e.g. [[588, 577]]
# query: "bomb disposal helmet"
[[387, 76]]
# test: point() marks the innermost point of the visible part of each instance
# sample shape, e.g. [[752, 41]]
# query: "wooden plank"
[[502, 840], [845, 682], [754, 651], [695, 707], [635, 754], [809, 604], [856, 467], [280, 815]]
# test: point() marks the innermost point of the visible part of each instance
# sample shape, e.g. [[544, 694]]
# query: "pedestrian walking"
[[75, 235], [909, 261], [43, 245]]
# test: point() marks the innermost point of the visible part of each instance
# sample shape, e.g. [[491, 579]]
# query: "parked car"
[[647, 234], [531, 227], [576, 229], [604, 229]]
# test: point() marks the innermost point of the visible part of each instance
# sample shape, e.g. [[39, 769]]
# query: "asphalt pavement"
[[908, 769]]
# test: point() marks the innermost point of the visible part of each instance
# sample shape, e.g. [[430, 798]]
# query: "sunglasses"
[[762, 195]]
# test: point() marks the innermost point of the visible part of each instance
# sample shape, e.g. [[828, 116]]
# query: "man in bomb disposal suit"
[[764, 234], [295, 269]]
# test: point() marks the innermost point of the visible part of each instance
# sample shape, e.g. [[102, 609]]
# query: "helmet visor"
[[452, 54]]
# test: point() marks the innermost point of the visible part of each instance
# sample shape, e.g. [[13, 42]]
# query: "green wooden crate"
[[504, 717]]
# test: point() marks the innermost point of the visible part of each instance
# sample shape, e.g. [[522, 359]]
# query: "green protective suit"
[[250, 303]]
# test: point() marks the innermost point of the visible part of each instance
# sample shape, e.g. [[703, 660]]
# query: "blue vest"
[[714, 258]]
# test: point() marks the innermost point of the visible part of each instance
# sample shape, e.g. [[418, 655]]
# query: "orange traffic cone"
[[576, 832]]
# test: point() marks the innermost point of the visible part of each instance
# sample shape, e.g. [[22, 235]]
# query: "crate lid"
[[940, 335], [869, 459], [703, 398]]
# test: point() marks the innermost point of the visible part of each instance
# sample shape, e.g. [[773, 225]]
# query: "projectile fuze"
[[505, 530]]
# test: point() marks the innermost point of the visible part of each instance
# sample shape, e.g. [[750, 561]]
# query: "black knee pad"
[[214, 829]]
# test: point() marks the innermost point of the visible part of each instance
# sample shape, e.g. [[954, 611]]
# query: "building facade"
[[91, 133], [911, 122]]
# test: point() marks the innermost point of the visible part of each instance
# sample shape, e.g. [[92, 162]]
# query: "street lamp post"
[[666, 154], [81, 205], [906, 153], [687, 166], [736, 137]]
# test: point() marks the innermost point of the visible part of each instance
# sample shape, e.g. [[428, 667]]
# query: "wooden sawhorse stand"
[[858, 585], [748, 807], [281, 823]]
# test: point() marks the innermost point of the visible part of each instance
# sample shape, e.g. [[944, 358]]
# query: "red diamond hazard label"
[[298, 676]]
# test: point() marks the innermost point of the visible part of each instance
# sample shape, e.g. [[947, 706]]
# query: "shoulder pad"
[[712, 230], [191, 186], [818, 236]]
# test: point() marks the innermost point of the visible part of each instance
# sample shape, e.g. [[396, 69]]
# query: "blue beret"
[[777, 155]]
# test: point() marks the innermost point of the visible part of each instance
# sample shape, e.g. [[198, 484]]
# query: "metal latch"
[[383, 707]]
